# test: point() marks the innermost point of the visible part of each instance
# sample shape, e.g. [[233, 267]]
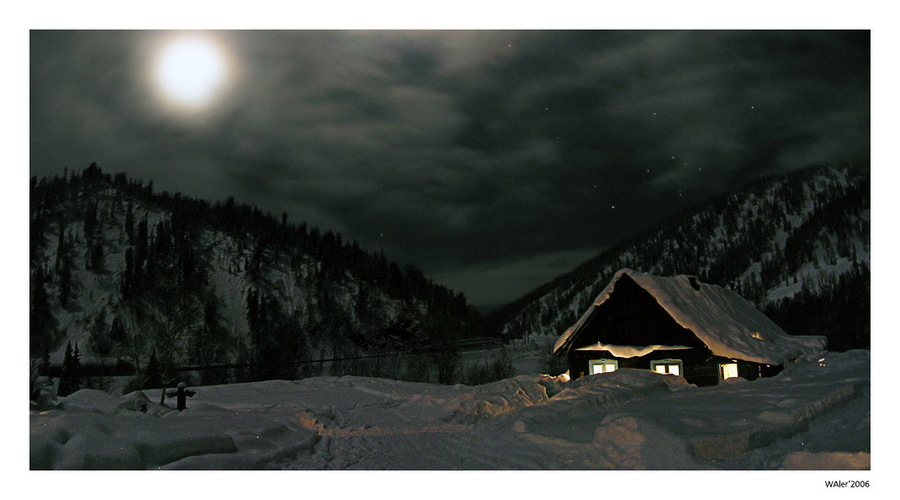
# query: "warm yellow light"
[[660, 368], [602, 368], [729, 370]]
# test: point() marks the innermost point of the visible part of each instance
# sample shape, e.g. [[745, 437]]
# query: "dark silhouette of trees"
[[70, 377], [42, 323], [165, 306]]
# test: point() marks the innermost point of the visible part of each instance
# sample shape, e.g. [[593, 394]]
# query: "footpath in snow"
[[814, 415]]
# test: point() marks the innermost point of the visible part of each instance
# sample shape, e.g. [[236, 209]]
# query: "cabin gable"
[[633, 317]]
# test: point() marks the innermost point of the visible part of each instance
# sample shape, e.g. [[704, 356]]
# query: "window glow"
[[729, 370], [667, 366], [602, 366]]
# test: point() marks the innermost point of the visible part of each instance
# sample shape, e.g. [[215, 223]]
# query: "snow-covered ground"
[[816, 414]]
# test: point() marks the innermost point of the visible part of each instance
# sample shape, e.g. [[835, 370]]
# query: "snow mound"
[[627, 442], [500, 397], [574, 413], [813, 415], [94, 430], [615, 388]]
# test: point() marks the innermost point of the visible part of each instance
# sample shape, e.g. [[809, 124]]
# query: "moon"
[[190, 71]]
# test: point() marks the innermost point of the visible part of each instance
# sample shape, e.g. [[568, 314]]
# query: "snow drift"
[[813, 415]]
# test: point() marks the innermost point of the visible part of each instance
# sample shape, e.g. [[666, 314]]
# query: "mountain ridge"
[[779, 241], [159, 277]]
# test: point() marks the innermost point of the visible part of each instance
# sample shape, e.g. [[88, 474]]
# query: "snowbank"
[[814, 415], [500, 397], [94, 430]]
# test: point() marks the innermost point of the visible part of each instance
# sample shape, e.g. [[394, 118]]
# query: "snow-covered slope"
[[126, 273], [815, 414], [798, 241]]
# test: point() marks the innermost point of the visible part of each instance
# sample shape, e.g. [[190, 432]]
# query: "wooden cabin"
[[678, 326]]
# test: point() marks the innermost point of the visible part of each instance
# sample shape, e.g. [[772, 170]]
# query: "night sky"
[[493, 160]]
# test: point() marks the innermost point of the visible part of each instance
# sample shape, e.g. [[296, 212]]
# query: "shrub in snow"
[[498, 368]]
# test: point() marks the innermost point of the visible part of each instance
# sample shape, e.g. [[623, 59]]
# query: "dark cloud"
[[474, 155]]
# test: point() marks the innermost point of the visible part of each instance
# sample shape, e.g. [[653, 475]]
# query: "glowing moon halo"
[[190, 70]]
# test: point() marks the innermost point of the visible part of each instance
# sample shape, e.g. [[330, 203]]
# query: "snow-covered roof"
[[724, 321]]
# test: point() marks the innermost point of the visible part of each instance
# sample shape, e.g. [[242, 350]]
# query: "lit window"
[[596, 366], [667, 366], [729, 370]]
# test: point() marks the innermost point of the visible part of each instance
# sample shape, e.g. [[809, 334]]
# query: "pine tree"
[[97, 256], [60, 249], [65, 282], [70, 378], [90, 221], [129, 224], [128, 275], [101, 340], [65, 386], [76, 369], [141, 246]]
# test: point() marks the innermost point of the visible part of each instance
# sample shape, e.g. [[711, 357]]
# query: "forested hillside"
[[797, 246], [163, 281]]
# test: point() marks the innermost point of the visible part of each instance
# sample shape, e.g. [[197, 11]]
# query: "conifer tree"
[[129, 223], [97, 256], [76, 369], [101, 340], [70, 378]]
